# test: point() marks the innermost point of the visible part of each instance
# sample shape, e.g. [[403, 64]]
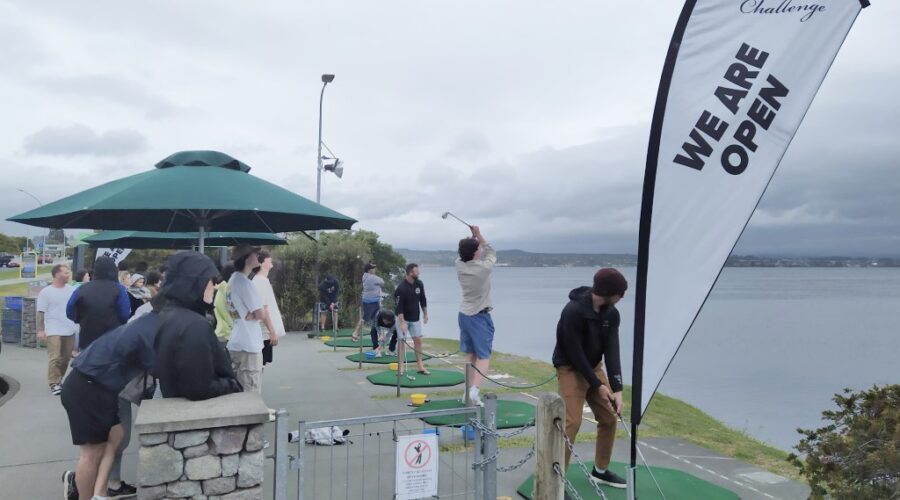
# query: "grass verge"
[[667, 416]]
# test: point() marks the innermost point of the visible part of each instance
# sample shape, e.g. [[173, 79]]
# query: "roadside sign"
[[417, 467], [28, 266]]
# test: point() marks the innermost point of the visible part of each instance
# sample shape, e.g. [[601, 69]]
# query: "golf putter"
[[450, 214]]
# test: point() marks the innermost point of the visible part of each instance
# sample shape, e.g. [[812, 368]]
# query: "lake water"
[[768, 351]]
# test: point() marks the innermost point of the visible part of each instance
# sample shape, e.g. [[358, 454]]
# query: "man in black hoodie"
[[190, 362], [588, 334], [328, 300], [100, 305]]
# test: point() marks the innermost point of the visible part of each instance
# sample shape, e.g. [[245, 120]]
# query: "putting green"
[[411, 378], [348, 342], [510, 414], [384, 360], [674, 483]]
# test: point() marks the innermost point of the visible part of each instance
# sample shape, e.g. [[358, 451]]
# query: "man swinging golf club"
[[476, 328]]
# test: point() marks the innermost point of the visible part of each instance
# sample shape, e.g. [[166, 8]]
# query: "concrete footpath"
[[312, 383]]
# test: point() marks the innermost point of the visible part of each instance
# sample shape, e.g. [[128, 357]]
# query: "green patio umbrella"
[[152, 239], [190, 191]]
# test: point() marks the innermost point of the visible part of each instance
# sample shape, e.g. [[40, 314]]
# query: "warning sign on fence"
[[417, 466]]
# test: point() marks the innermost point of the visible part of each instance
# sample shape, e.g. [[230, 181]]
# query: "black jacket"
[[328, 290], [584, 337], [100, 305], [190, 361], [121, 354], [409, 297]]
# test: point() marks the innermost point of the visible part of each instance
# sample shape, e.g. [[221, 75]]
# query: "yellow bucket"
[[417, 399], [394, 366], [325, 338]]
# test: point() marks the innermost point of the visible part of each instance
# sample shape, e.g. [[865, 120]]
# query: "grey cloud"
[[111, 89], [469, 145], [79, 139], [19, 49]]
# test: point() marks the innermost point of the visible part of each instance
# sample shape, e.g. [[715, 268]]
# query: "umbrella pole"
[[202, 238]]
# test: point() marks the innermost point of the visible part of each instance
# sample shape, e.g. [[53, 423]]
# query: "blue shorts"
[[370, 310], [476, 334]]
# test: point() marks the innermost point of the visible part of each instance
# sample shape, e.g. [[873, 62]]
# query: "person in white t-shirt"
[[247, 310], [264, 287], [55, 327]]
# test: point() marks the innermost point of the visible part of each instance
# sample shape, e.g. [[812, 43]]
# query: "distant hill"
[[521, 258]]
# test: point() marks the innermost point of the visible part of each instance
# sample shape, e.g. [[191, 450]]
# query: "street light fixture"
[[44, 245]]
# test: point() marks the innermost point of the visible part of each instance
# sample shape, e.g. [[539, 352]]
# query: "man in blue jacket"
[[90, 395]]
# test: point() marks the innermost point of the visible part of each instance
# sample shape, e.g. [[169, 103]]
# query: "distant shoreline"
[[520, 258]]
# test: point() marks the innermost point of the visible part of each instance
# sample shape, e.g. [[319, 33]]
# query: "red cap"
[[609, 282]]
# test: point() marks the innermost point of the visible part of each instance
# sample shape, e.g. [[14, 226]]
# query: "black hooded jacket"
[[584, 337], [190, 361], [328, 290], [100, 305]]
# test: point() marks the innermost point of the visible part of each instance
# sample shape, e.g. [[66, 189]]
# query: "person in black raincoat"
[[191, 363]]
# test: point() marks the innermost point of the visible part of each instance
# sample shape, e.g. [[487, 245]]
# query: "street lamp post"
[[326, 79], [45, 239]]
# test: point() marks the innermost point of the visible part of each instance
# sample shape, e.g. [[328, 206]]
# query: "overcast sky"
[[528, 118]]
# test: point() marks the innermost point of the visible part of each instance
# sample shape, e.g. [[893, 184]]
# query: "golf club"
[[450, 214]]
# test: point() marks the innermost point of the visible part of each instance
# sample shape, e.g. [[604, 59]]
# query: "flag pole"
[[640, 305]]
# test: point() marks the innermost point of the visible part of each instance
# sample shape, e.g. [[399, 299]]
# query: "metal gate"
[[364, 466]]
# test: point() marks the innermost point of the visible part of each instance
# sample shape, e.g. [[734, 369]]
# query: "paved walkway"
[[310, 382]]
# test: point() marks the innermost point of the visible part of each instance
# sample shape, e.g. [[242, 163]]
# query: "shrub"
[[857, 455], [303, 263]]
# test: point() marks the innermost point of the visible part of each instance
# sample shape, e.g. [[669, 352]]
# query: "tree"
[[857, 455], [11, 244], [56, 237], [303, 263]]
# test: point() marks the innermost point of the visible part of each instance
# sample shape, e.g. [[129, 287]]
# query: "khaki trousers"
[[59, 353], [574, 390], [248, 369]]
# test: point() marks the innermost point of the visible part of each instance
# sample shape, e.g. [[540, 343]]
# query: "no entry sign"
[[417, 467]]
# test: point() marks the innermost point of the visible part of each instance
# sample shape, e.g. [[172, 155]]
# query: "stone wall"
[[210, 450]]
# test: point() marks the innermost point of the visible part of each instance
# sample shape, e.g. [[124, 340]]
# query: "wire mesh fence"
[[362, 462]]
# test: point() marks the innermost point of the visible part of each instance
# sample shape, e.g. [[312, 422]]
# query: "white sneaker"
[[475, 397], [56, 389]]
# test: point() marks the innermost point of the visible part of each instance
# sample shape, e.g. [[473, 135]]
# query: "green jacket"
[[223, 317]]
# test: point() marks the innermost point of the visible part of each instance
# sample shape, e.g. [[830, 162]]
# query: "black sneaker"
[[70, 491], [609, 478], [124, 490]]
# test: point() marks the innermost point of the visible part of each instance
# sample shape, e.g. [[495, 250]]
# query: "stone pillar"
[[203, 450]]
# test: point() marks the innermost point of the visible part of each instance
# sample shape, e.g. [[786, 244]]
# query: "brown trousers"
[[59, 353], [574, 390]]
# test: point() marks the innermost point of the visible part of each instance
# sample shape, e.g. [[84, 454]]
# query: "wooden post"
[[550, 447]]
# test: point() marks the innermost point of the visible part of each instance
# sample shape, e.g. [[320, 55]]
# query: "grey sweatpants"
[[115, 473]]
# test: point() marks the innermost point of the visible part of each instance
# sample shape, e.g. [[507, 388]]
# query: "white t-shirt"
[[264, 287], [242, 299], [52, 302]]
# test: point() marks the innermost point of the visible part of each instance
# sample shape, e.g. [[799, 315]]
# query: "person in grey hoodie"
[[372, 291]]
